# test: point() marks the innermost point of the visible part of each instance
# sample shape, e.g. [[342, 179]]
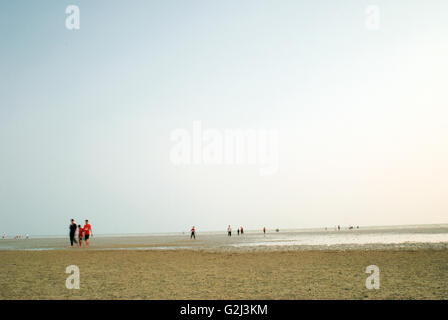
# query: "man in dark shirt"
[[72, 232]]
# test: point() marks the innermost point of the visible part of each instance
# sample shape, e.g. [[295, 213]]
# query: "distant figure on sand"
[[4, 236], [87, 232], [193, 233], [238, 231], [72, 229], [229, 231], [242, 231], [264, 230]]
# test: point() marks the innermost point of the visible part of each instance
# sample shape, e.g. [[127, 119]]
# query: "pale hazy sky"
[[86, 115]]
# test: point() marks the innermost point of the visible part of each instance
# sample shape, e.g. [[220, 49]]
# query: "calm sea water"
[[417, 236]]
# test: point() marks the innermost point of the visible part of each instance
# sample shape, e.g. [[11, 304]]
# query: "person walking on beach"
[[87, 232], [238, 231], [193, 233], [264, 230], [242, 231], [80, 235], [72, 228], [229, 231]]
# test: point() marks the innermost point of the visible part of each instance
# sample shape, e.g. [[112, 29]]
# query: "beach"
[[300, 264], [188, 274], [223, 150]]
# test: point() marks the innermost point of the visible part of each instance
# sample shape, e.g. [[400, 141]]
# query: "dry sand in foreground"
[[187, 274]]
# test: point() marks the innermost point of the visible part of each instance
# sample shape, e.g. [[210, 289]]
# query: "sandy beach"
[[198, 274], [223, 150]]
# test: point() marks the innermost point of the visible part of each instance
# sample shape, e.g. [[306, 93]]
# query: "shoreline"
[[410, 246], [369, 228], [401, 238]]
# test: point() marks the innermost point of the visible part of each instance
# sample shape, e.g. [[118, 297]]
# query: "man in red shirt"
[[87, 232]]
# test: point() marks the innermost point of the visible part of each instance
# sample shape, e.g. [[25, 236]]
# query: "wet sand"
[[373, 238], [199, 274]]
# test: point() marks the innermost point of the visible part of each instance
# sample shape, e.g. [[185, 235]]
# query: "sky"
[[87, 116]]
